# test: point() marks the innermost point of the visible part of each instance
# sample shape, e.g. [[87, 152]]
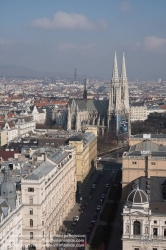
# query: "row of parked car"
[[98, 208]]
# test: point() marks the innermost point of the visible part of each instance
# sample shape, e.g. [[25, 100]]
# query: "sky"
[[61, 35]]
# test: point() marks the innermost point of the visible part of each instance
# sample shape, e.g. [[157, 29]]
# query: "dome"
[[137, 197], [8, 189]]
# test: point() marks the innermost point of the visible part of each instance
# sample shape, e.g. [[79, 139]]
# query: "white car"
[[76, 218], [98, 158]]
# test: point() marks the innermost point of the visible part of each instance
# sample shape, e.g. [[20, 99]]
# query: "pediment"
[[138, 213]]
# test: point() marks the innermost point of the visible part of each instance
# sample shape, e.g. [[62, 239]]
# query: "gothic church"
[[85, 112]]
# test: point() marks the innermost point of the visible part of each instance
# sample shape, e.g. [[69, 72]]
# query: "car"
[[88, 234], [102, 200], [107, 185], [112, 172], [94, 186], [69, 232], [98, 158], [97, 211], [92, 224], [83, 206], [74, 223], [76, 218], [94, 218], [90, 229], [81, 210], [98, 207], [105, 191], [103, 196]]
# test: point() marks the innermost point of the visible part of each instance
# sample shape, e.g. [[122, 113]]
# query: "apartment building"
[[138, 112], [86, 156], [3, 138], [48, 194]]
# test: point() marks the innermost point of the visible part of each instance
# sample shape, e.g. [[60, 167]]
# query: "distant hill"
[[21, 71]]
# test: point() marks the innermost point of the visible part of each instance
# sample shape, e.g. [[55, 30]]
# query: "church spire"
[[115, 77], [123, 72]]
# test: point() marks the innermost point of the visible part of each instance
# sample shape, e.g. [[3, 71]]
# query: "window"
[[31, 200], [155, 221], [42, 222], [153, 163], [155, 231], [164, 231], [165, 222], [30, 189], [154, 248], [137, 228], [43, 233], [31, 235], [31, 223], [136, 248], [134, 162], [31, 211]]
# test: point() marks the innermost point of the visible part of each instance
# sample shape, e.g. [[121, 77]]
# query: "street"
[[92, 200]]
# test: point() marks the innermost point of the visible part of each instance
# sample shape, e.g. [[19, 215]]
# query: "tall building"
[[84, 112]]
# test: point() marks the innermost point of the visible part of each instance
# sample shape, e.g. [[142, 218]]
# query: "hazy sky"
[[60, 35]]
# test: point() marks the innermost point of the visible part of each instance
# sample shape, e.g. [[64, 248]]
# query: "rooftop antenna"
[[75, 75]]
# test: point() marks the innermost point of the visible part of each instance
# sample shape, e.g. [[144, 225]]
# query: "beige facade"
[[86, 156], [3, 137], [48, 195], [138, 113], [143, 159]]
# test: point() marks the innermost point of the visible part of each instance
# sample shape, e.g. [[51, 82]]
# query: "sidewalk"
[[115, 240]]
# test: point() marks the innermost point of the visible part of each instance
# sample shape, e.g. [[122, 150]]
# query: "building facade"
[[48, 194], [86, 156], [3, 137], [143, 159], [138, 112], [144, 221]]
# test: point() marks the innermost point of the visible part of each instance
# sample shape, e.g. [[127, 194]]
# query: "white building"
[[10, 227], [144, 215], [25, 124], [39, 115], [48, 194], [138, 112]]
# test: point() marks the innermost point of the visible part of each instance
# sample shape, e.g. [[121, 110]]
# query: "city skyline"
[[59, 37]]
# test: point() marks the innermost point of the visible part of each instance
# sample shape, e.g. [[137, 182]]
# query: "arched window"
[[31, 223], [137, 228]]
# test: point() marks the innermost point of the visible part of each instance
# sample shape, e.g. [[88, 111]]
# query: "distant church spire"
[[123, 72], [85, 90], [115, 77]]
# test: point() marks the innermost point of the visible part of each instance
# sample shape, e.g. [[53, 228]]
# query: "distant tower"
[[75, 75], [85, 90]]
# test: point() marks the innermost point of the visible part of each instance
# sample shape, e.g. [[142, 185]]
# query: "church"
[[101, 113]]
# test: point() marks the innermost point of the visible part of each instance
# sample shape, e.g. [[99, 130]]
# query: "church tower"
[[118, 97], [124, 87]]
